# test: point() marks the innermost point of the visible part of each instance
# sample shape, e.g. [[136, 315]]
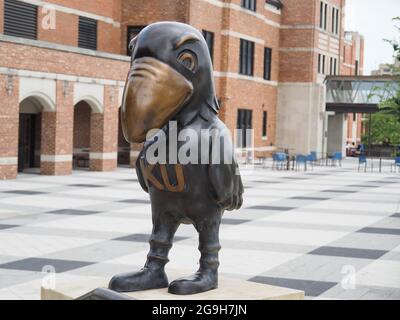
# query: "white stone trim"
[[103, 156], [309, 27], [236, 7], [352, 66], [59, 76], [56, 158], [237, 76], [8, 161], [74, 11], [299, 49], [64, 48], [93, 94], [239, 35], [42, 89]]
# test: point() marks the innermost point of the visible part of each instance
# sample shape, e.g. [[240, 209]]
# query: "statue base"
[[69, 287]]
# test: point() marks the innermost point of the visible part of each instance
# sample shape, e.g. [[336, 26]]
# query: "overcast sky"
[[373, 19]]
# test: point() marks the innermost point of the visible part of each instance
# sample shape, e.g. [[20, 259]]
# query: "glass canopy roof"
[[361, 90]]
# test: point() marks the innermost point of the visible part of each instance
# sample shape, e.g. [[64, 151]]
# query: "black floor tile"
[[272, 208], [349, 252], [135, 201], [311, 198], [380, 230], [24, 192], [339, 191], [7, 226], [141, 237], [73, 212], [37, 264], [310, 287], [81, 185], [234, 221]]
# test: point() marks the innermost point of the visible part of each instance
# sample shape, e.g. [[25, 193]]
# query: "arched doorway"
[[81, 135], [30, 136], [124, 147]]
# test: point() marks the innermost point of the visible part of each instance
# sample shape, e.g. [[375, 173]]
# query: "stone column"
[[57, 133], [104, 133], [9, 126]]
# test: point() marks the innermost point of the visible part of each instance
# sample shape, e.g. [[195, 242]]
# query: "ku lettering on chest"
[[162, 179]]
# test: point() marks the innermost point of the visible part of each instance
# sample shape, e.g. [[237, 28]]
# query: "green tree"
[[385, 130]]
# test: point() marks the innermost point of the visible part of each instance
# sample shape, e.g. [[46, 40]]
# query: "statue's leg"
[[206, 278], [152, 276]]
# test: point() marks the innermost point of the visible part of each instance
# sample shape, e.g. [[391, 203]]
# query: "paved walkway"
[[332, 232]]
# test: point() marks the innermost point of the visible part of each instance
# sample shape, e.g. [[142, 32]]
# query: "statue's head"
[[171, 78]]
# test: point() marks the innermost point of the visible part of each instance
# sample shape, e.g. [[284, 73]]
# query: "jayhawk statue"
[[171, 81]]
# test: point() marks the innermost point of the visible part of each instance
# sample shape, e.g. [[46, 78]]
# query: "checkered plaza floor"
[[333, 232]]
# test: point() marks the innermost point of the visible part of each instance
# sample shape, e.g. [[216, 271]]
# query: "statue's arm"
[[225, 181]]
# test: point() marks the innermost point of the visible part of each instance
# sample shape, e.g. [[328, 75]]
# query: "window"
[[244, 122], [333, 66], [87, 33], [323, 12], [354, 117], [357, 71], [209, 37], [321, 15], [133, 31], [321, 63], [337, 22], [265, 124], [20, 19], [249, 4], [267, 63], [246, 57]]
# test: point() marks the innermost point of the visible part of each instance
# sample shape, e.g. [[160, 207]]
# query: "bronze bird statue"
[[170, 82]]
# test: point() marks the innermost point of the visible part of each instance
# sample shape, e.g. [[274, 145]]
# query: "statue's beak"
[[154, 93]]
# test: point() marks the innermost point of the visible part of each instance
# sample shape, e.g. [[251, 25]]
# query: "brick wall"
[[1, 15]]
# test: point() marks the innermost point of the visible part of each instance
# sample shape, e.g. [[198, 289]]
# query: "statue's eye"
[[189, 60]]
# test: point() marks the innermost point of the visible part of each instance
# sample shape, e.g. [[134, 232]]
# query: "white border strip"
[[74, 11], [237, 76], [56, 158], [236, 7], [103, 156], [238, 35], [57, 76], [8, 161]]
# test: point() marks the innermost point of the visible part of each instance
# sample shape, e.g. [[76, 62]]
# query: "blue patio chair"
[[395, 165], [312, 158], [363, 161], [337, 158], [301, 160], [279, 160]]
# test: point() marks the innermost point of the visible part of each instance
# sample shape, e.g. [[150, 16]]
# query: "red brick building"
[[63, 64]]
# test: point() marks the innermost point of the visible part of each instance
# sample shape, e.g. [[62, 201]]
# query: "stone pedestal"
[[68, 287]]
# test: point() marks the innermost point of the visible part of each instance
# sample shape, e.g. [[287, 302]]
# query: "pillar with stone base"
[[104, 133], [56, 153], [9, 122]]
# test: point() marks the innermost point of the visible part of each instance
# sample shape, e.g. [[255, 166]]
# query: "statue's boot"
[[152, 276], [206, 278]]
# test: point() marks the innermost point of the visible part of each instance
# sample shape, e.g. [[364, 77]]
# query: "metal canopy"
[[357, 94]]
